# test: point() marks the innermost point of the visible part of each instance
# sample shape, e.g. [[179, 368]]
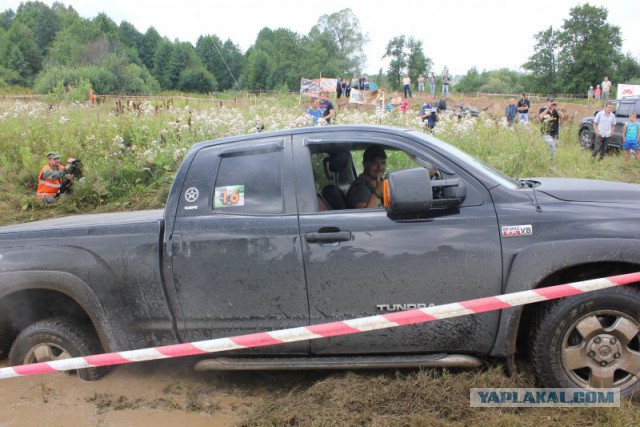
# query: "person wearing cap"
[[366, 190], [550, 119], [50, 178]]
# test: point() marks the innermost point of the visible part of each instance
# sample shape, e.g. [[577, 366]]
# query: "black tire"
[[587, 139], [589, 340], [6, 335], [56, 339]]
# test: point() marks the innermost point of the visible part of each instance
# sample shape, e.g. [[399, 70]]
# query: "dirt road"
[[164, 393]]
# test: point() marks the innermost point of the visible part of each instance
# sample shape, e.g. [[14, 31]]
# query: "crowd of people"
[[601, 92], [344, 86]]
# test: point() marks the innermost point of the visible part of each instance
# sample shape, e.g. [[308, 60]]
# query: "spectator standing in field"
[[432, 84], [550, 119], [326, 106], [606, 89], [406, 84], [523, 108], [590, 94], [596, 93], [511, 111], [445, 85], [313, 111], [339, 88], [346, 87], [421, 83], [630, 136], [604, 124], [92, 96]]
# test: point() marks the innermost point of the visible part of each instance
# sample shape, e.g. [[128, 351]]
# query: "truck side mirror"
[[408, 194]]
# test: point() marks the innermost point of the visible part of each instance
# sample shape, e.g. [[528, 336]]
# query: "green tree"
[[407, 58], [398, 64], [131, 39], [196, 79], [258, 70], [417, 62], [74, 44], [280, 51], [162, 64], [43, 22], [223, 60], [19, 52], [589, 47], [543, 64], [627, 70], [345, 40], [6, 18], [471, 82], [150, 42]]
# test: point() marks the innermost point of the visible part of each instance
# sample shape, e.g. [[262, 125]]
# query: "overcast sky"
[[458, 34]]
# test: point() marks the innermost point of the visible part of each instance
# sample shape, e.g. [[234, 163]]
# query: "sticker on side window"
[[517, 230], [229, 196]]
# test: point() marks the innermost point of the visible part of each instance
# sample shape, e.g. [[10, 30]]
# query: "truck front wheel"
[[55, 339], [587, 139], [589, 341]]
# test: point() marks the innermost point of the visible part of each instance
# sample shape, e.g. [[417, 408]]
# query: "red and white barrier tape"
[[324, 330]]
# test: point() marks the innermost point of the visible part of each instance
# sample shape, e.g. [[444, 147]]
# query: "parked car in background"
[[623, 107]]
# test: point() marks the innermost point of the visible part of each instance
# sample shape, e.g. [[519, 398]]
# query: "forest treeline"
[[48, 48]]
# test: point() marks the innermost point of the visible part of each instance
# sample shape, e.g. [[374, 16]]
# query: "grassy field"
[[131, 152]]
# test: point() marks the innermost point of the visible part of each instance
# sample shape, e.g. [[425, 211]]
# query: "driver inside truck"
[[366, 190]]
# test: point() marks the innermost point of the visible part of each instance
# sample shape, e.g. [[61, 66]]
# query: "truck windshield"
[[472, 161]]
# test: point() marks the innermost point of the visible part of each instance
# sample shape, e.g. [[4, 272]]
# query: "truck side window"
[[624, 108], [249, 183]]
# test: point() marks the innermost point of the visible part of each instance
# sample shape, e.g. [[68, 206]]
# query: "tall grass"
[[131, 152]]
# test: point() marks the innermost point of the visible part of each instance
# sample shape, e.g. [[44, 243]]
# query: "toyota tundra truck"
[[256, 236]]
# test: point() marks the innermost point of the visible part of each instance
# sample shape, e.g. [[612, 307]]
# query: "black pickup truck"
[[256, 235], [623, 107]]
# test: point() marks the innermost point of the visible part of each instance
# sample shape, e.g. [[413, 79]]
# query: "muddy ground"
[[165, 393]]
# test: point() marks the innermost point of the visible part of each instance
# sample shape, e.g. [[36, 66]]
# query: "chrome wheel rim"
[[602, 350], [46, 352], [585, 138]]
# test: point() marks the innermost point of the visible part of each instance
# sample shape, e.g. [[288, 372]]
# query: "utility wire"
[[225, 64]]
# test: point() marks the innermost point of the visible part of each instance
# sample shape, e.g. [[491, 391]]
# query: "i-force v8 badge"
[[517, 230]]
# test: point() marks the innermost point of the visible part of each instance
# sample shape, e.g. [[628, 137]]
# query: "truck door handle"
[[328, 237]]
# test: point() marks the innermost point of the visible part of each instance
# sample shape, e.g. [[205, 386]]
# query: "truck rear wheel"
[[590, 340], [55, 339]]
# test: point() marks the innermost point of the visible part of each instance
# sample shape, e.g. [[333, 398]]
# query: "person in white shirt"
[[606, 89], [604, 124], [406, 83]]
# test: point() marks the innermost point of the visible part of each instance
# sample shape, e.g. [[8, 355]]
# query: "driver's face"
[[374, 169]]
